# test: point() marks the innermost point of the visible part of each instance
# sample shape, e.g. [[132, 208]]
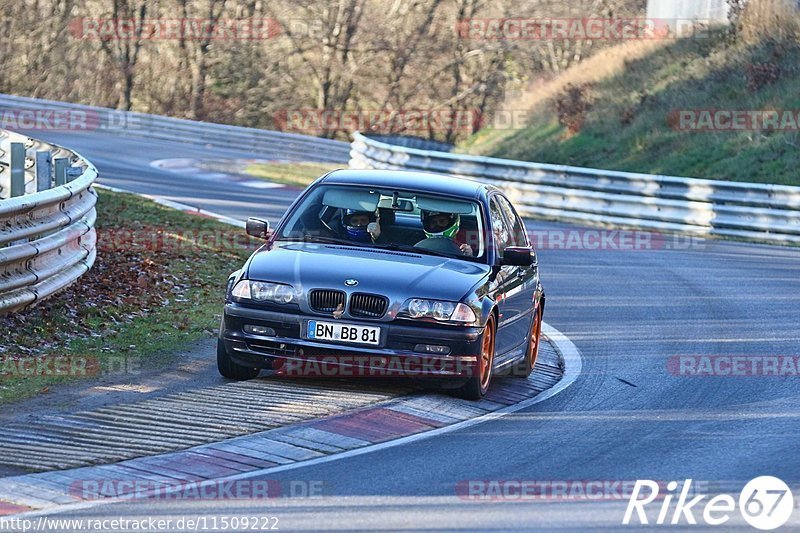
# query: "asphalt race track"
[[628, 416]]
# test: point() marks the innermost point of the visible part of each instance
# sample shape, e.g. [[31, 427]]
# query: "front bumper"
[[291, 354]]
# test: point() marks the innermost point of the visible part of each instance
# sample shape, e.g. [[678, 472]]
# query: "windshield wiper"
[[321, 239], [328, 240], [412, 249]]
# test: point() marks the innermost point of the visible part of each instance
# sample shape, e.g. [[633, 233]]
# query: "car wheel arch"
[[488, 307], [233, 278]]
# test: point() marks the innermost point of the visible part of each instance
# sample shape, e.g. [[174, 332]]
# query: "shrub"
[[760, 74], [572, 105]]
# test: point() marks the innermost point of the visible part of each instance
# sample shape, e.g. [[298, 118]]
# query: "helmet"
[[433, 226], [357, 232]]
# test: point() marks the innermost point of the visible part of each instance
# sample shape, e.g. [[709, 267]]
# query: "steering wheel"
[[440, 244]]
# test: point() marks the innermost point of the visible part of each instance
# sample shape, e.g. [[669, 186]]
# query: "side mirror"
[[257, 227], [517, 256]]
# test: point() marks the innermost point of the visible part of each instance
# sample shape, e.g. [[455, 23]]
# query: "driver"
[[356, 223], [439, 224]]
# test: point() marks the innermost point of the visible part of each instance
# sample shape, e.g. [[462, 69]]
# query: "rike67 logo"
[[765, 503]]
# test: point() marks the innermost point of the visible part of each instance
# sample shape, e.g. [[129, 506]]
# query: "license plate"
[[329, 331]]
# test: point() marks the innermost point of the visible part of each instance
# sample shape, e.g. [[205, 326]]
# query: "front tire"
[[477, 386], [230, 369], [533, 345]]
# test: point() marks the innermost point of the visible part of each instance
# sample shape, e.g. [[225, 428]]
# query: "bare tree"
[[326, 45], [196, 49], [388, 56], [124, 42]]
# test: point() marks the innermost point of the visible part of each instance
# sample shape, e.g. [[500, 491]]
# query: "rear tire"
[[231, 370], [477, 386]]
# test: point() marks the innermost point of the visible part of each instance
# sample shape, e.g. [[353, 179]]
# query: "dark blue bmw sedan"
[[376, 273]]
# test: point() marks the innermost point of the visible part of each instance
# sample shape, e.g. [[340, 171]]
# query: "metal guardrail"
[[752, 211], [156, 127], [47, 216]]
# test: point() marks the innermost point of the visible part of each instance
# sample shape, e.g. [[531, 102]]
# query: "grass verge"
[[297, 174], [158, 284]]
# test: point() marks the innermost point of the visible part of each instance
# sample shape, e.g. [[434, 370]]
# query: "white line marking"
[[260, 184], [572, 369]]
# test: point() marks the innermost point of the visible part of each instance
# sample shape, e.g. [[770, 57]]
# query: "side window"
[[519, 235], [500, 231]]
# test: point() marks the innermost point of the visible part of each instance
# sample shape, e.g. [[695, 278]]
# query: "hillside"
[[622, 110]]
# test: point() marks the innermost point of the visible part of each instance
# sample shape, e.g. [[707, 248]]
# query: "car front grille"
[[326, 300], [368, 305]]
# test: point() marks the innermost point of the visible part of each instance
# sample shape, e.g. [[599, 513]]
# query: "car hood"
[[398, 275]]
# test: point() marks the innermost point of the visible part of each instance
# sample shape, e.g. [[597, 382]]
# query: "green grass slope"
[[628, 126]]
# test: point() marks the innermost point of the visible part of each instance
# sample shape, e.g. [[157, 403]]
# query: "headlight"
[[264, 291], [439, 310]]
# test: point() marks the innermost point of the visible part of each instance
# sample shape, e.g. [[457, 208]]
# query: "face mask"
[[358, 234]]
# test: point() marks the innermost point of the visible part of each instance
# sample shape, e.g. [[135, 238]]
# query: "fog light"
[[432, 348], [259, 330]]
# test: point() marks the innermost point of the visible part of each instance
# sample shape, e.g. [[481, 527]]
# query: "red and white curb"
[[393, 423]]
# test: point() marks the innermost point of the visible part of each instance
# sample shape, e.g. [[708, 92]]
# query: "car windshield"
[[404, 220]]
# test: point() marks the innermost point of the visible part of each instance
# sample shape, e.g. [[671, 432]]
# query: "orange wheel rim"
[[487, 349], [536, 332]]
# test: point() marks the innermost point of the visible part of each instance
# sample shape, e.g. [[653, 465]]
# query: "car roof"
[[404, 179]]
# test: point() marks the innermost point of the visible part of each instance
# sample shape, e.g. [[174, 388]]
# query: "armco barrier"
[[156, 127], [47, 216], [752, 211]]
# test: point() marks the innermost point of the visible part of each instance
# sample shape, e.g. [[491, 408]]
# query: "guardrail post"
[[61, 164], [17, 169], [44, 170], [73, 173]]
